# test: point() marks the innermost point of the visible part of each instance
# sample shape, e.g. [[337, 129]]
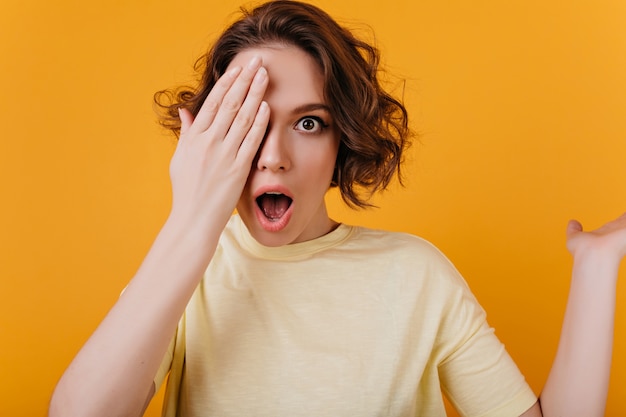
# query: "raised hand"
[[608, 241], [215, 151], [579, 378], [113, 372]]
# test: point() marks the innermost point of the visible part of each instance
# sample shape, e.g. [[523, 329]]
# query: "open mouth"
[[274, 205]]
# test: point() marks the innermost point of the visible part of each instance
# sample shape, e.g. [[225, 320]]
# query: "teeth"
[[273, 193]]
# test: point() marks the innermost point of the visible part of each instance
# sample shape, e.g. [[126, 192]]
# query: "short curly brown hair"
[[373, 124]]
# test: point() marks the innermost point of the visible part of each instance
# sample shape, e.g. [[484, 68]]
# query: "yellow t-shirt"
[[358, 322]]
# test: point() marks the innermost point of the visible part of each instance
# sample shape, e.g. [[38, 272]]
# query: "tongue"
[[274, 205]]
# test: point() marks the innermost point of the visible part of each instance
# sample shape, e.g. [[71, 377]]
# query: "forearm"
[[113, 372], [578, 381]]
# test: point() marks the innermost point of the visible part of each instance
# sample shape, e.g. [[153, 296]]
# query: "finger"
[[186, 119], [248, 112], [573, 227], [252, 141], [237, 94], [212, 103]]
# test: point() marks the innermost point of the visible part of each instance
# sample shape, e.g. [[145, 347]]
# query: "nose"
[[274, 154]]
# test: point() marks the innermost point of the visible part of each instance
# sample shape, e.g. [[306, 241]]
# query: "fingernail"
[[234, 72], [256, 61], [260, 75]]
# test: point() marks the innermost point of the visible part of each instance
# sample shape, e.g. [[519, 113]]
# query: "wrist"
[[596, 264], [192, 230]]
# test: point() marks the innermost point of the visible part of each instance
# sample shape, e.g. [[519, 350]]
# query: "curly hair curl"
[[373, 125]]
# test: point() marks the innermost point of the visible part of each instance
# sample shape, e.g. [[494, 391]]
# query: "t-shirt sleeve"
[[477, 374], [166, 364], [481, 379]]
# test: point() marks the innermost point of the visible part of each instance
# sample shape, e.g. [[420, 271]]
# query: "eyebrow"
[[311, 107]]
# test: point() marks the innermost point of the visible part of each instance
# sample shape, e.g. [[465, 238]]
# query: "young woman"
[[281, 311]]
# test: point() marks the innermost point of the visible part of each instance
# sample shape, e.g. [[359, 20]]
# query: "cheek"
[[320, 164], [245, 197]]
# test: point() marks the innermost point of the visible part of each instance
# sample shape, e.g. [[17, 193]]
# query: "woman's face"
[[283, 200]]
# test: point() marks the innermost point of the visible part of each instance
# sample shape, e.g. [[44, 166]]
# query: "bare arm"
[[578, 381], [113, 372]]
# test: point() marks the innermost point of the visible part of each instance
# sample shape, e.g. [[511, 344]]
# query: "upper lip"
[[277, 188]]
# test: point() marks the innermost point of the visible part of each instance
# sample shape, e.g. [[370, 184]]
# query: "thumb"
[[186, 119], [573, 227]]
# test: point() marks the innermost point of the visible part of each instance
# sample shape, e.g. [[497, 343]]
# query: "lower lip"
[[273, 225]]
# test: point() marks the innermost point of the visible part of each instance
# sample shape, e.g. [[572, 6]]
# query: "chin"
[[265, 237], [271, 239]]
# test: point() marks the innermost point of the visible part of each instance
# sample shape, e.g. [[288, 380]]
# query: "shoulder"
[[398, 243], [403, 251]]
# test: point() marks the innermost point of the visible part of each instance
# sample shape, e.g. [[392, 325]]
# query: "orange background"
[[520, 105]]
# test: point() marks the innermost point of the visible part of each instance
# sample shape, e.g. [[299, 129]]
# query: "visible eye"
[[311, 124]]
